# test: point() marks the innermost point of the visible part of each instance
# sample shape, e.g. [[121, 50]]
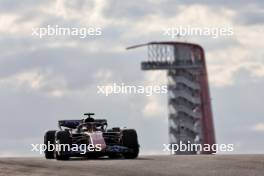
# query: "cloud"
[[155, 108], [150, 26], [259, 127]]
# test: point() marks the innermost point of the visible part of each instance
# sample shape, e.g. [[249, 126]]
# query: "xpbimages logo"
[[131, 89], [189, 147], [183, 31], [81, 32], [82, 148]]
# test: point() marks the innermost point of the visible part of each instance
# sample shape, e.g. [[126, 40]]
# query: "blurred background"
[[56, 77]]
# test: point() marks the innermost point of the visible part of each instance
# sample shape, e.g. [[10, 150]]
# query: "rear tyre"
[[129, 139], [63, 141], [49, 139]]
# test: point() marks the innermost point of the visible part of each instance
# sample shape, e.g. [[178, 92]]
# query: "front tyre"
[[129, 139], [114, 156]]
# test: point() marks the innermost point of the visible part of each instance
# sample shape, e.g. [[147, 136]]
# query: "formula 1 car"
[[90, 137]]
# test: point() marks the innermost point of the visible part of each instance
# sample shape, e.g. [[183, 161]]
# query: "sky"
[[43, 80]]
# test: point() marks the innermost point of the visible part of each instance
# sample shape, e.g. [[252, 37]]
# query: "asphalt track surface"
[[197, 165]]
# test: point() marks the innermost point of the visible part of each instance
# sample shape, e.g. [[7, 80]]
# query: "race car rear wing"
[[75, 123]]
